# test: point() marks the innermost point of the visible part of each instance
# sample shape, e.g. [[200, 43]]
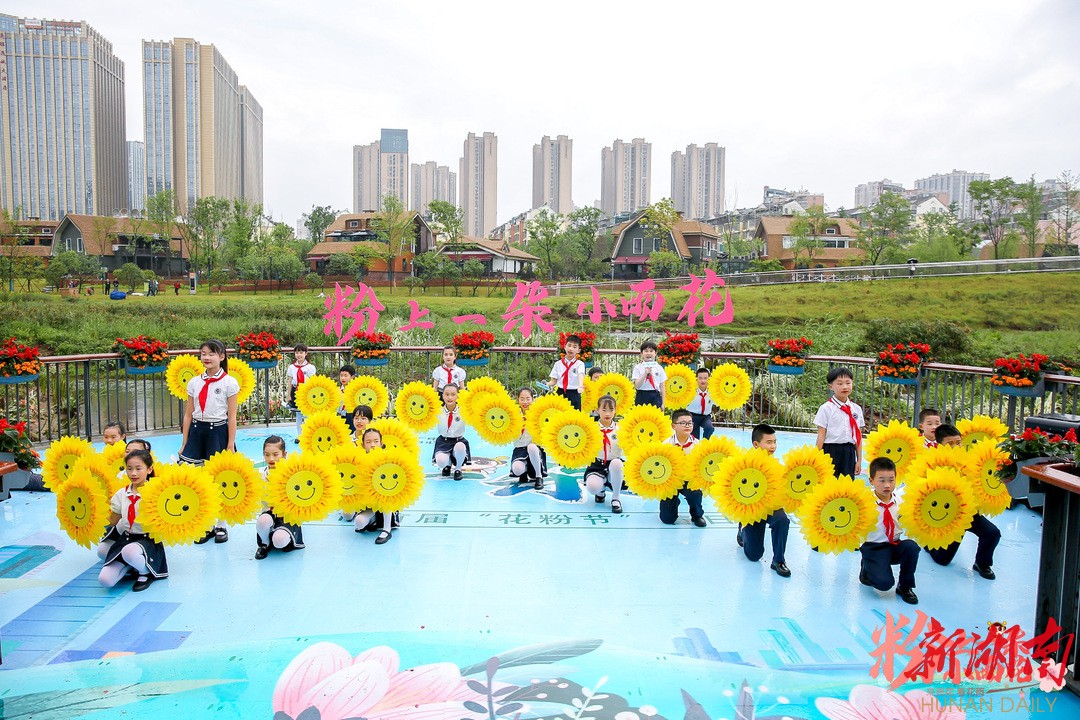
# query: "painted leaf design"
[[541, 654], [474, 706], [61, 705]]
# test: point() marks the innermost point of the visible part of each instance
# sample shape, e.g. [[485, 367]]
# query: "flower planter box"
[[467, 362], [898, 381], [373, 362], [1020, 486], [787, 369], [261, 364], [1034, 391], [18, 379], [148, 370]]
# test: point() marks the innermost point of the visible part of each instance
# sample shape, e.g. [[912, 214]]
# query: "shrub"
[[951, 342]]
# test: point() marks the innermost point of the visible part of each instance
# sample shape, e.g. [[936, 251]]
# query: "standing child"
[[345, 376], [299, 371], [272, 532], [451, 447], [114, 432], [606, 471], [448, 372], [683, 438], [366, 520], [929, 421], [126, 545], [528, 459], [753, 535], [840, 422], [648, 377], [568, 373], [884, 545], [701, 407], [209, 424]]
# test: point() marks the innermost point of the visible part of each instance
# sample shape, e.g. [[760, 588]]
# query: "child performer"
[[345, 376], [528, 460], [448, 372], [682, 437], [607, 469], [361, 417], [648, 377], [451, 447], [369, 519], [839, 422], [125, 545], [701, 407], [271, 532], [753, 535], [568, 373], [299, 371], [884, 545], [114, 432], [929, 420]]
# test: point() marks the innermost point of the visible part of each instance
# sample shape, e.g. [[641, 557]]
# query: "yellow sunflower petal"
[[238, 483], [804, 467], [896, 441], [471, 399], [619, 387], [991, 495], [589, 395], [655, 470], [179, 504], [396, 434], [417, 405], [937, 508], [390, 480], [324, 431], [348, 461], [642, 425], [680, 388], [748, 486], [705, 459], [61, 457], [837, 515], [179, 373], [245, 376], [729, 386], [94, 466], [367, 390], [82, 507], [485, 384], [542, 411], [981, 427], [940, 456], [316, 394], [303, 487], [113, 455], [498, 419], [572, 439]]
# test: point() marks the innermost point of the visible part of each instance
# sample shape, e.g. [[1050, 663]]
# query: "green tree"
[[474, 271], [239, 231], [341, 264], [1064, 218], [994, 200], [219, 277], [806, 231], [251, 268], [1030, 212], [12, 237], [204, 226], [664, 264], [313, 281], [130, 275], [544, 233], [363, 255], [287, 268], [396, 226], [426, 265], [886, 228], [161, 212], [447, 219], [69, 263], [658, 219], [320, 218], [28, 268], [584, 248]]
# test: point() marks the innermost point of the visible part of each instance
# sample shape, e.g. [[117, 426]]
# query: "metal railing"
[[80, 394]]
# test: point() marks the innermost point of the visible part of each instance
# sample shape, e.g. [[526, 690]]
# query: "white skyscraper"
[[381, 169], [955, 185], [136, 176], [697, 180], [625, 176], [553, 174], [478, 182]]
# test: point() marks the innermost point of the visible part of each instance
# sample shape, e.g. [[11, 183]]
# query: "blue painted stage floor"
[[648, 621]]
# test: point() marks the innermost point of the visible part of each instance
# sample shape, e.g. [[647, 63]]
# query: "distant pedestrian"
[[176, 288]]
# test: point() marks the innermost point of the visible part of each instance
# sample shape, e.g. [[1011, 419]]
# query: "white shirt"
[[878, 533], [309, 372], [695, 404], [217, 399], [686, 447], [119, 504], [576, 377], [457, 376], [524, 439], [643, 371], [613, 450], [448, 428], [836, 423]]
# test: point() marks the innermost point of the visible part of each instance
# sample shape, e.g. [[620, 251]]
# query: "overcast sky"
[[820, 95]]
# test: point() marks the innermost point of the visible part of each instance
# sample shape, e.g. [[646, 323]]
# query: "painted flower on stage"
[[870, 702], [326, 682]]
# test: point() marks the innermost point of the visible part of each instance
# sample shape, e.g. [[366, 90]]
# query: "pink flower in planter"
[[870, 702], [326, 677]]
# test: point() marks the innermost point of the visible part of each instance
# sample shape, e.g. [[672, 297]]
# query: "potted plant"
[[473, 348], [588, 344], [142, 355], [787, 356], [371, 349], [1033, 447], [901, 363], [15, 445], [18, 363], [259, 350], [1020, 376], [684, 348]]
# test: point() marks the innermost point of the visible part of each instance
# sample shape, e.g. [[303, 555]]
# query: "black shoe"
[[384, 537], [296, 441], [863, 579], [781, 569], [908, 596], [738, 536], [616, 507], [986, 572], [457, 476], [699, 522], [446, 471], [205, 538], [539, 484], [599, 498], [221, 535], [261, 552], [142, 582]]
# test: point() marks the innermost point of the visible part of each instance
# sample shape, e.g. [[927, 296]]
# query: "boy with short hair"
[[648, 377], [840, 422], [607, 469], [345, 376], [753, 535], [449, 372], [929, 420], [885, 546], [568, 373], [981, 526], [701, 407], [682, 438]]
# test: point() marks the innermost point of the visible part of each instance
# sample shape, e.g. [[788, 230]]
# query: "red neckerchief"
[[930, 443], [133, 496], [702, 402], [299, 372], [449, 419], [207, 382], [856, 434], [607, 440], [648, 376], [566, 374], [449, 374], [888, 521]]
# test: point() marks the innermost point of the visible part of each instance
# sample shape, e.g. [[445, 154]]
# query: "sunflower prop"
[[245, 376], [61, 457], [896, 441], [303, 488], [82, 508], [941, 456], [179, 504], [417, 405], [589, 395], [804, 467], [837, 514], [981, 427], [348, 460], [396, 434], [680, 388], [619, 387], [572, 438], [95, 467], [729, 386], [498, 419], [470, 400], [316, 394], [655, 470], [390, 480], [937, 508], [324, 431], [542, 411], [367, 390], [179, 373], [113, 456], [991, 495], [487, 385], [239, 484], [642, 425], [705, 459], [749, 486]]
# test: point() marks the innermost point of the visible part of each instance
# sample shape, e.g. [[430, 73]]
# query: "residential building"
[[498, 257], [776, 200], [62, 140], [432, 181], [203, 128], [736, 230], [955, 186], [836, 244], [625, 176], [119, 240], [552, 174], [697, 180], [478, 183], [867, 194], [352, 230], [136, 176], [28, 238], [516, 229], [693, 241], [381, 169]]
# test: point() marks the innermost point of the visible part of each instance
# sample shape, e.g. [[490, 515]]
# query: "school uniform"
[[209, 431], [929, 443], [451, 432], [343, 413], [128, 531], [609, 450], [521, 452], [569, 378], [753, 536], [669, 508], [885, 546], [296, 534], [648, 378], [701, 408], [298, 373], [843, 423], [989, 537], [444, 376]]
